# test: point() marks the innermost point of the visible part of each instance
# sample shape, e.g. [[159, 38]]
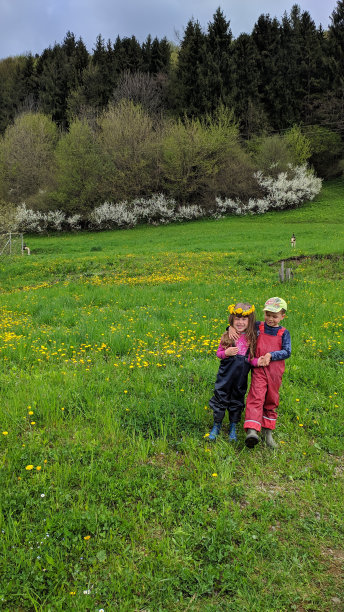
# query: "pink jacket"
[[242, 345]]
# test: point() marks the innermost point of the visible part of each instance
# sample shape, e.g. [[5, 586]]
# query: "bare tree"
[[142, 88]]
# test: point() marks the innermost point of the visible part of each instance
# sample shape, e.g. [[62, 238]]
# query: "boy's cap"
[[275, 304]]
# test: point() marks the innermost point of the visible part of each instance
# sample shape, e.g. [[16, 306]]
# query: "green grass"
[[109, 340]]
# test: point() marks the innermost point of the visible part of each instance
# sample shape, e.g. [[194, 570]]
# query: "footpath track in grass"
[[111, 497]]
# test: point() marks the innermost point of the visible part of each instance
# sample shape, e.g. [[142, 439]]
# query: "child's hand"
[[231, 351], [232, 334], [264, 360]]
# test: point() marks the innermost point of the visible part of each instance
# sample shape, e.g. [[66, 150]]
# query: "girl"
[[236, 360]]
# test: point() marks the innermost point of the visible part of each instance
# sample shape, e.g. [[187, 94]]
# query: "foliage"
[[27, 156], [326, 149], [299, 145], [195, 152], [7, 216], [78, 160], [271, 153], [128, 151]]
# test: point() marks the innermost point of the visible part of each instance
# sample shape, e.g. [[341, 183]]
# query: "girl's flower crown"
[[240, 311]]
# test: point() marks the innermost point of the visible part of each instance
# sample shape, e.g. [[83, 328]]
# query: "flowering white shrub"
[[288, 190], [110, 215], [54, 220], [27, 220], [74, 222], [189, 213], [155, 210]]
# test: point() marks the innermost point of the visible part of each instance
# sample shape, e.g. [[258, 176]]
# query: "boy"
[[273, 347]]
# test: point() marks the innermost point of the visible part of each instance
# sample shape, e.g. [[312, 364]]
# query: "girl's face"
[[240, 324]]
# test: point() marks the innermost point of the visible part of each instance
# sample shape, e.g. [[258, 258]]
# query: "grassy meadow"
[[111, 497]]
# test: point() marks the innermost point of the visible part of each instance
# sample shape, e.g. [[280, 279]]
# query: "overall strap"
[[261, 327], [281, 331]]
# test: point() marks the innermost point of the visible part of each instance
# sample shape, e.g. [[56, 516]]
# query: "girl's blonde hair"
[[250, 332]]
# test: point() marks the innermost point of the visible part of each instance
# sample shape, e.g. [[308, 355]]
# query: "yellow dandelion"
[[29, 467], [38, 468], [5, 433], [297, 400], [214, 475], [300, 424], [88, 537], [30, 412], [206, 435]]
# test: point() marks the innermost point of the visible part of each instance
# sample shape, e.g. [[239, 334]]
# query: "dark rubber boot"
[[215, 431], [252, 438], [268, 439], [232, 433]]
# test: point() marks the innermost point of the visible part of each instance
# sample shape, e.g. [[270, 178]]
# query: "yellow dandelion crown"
[[240, 311]]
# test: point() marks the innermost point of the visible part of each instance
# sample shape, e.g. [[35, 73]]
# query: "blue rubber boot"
[[215, 431], [232, 433]]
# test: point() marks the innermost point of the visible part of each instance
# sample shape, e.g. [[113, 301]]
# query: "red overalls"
[[263, 397]]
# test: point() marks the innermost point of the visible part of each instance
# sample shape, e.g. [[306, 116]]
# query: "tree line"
[[284, 72], [194, 121]]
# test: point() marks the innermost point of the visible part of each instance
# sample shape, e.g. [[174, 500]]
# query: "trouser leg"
[[255, 400], [271, 404], [219, 403], [237, 397]]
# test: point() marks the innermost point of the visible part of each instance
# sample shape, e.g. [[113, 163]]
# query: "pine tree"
[[248, 109], [191, 75], [160, 57], [52, 75], [336, 47], [218, 60], [266, 36], [102, 80]]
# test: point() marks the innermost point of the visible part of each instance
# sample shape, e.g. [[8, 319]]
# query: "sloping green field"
[[111, 497]]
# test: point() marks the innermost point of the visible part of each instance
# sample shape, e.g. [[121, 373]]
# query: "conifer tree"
[[266, 36], [160, 56], [218, 61], [247, 106], [336, 47], [191, 72]]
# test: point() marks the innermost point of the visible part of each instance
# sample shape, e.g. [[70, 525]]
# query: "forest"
[[194, 120]]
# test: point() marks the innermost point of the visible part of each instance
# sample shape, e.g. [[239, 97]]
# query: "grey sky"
[[32, 25]]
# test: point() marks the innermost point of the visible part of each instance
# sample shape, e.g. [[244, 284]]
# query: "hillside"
[[111, 496]]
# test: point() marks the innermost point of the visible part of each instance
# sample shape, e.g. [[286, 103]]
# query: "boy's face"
[[273, 318]]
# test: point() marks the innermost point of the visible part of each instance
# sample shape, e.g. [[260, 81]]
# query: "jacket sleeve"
[[253, 361], [285, 352], [221, 352]]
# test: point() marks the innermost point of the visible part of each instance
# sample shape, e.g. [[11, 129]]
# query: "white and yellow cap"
[[275, 304]]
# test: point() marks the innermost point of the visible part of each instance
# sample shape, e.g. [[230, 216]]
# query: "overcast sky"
[[32, 25]]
